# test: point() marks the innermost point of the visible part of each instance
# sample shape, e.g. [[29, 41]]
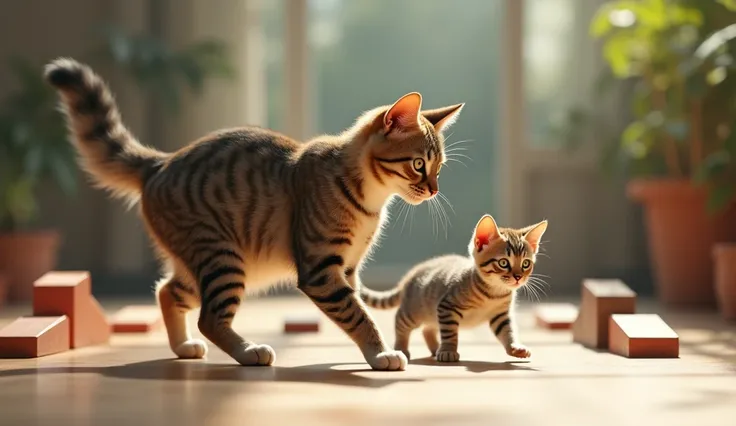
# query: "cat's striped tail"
[[382, 299], [108, 151]]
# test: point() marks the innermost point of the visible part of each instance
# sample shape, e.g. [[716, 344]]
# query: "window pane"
[[555, 72]]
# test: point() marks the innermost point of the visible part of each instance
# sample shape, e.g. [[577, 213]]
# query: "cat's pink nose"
[[517, 277]]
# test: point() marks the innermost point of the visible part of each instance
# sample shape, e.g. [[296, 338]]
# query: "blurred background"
[[570, 104]]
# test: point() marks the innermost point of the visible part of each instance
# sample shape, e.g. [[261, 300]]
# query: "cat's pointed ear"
[[485, 231], [443, 118], [403, 114], [534, 235]]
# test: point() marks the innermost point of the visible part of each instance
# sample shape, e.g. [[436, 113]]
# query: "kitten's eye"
[[526, 263], [418, 164], [504, 263]]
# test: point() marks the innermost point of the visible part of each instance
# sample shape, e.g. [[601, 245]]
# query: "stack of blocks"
[[608, 320], [65, 316]]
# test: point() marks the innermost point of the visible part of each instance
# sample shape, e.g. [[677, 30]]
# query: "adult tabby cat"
[[241, 209], [452, 292]]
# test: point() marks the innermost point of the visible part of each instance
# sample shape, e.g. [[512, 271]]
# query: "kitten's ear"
[[403, 114], [534, 235], [443, 118], [485, 231]]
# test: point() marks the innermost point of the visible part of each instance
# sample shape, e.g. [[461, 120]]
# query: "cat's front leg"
[[504, 327], [326, 284], [448, 317]]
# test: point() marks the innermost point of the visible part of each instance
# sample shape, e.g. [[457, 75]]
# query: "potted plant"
[[672, 57], [33, 151]]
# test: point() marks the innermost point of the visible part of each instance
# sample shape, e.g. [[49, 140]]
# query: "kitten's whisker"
[[455, 155], [458, 143], [444, 214], [455, 159], [441, 195]]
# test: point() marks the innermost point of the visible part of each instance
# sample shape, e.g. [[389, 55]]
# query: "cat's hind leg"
[[176, 297], [430, 337], [222, 279]]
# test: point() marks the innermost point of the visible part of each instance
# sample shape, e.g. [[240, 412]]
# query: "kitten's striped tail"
[[382, 299], [108, 151]]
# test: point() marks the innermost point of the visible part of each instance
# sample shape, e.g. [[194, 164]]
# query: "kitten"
[[243, 209], [451, 292]]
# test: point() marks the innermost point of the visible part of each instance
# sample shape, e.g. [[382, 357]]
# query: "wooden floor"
[[322, 379]]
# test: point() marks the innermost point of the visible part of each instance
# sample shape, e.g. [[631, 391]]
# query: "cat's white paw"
[[256, 355], [389, 361], [405, 351], [518, 351], [447, 356], [191, 349]]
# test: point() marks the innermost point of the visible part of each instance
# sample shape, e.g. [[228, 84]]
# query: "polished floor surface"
[[322, 379]]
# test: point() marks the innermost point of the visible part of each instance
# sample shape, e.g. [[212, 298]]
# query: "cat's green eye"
[[526, 263], [504, 263], [418, 164]]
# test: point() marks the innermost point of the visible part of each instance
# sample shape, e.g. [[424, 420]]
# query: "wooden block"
[[642, 336], [31, 337], [137, 319], [70, 293], [301, 324], [601, 299], [556, 316]]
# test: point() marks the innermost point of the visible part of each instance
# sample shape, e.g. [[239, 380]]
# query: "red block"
[[556, 316], [601, 299], [301, 324], [31, 337], [69, 293], [137, 319], [642, 336]]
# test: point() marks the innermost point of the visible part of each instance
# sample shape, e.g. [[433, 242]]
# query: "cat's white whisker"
[[458, 143], [441, 195], [456, 160]]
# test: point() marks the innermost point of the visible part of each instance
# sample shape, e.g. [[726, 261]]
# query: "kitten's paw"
[[191, 349], [256, 355], [447, 356], [518, 351], [389, 361]]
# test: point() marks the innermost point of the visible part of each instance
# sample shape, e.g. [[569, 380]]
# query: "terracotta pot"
[[681, 235], [24, 257], [724, 257], [4, 284]]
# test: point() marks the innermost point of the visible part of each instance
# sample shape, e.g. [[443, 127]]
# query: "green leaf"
[[21, 203], [601, 23], [617, 51], [720, 197], [728, 4], [712, 166], [634, 139], [716, 76]]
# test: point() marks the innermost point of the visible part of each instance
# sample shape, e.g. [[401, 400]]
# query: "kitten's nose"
[[517, 277]]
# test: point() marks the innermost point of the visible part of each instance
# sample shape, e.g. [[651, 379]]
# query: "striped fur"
[[451, 292], [242, 209]]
